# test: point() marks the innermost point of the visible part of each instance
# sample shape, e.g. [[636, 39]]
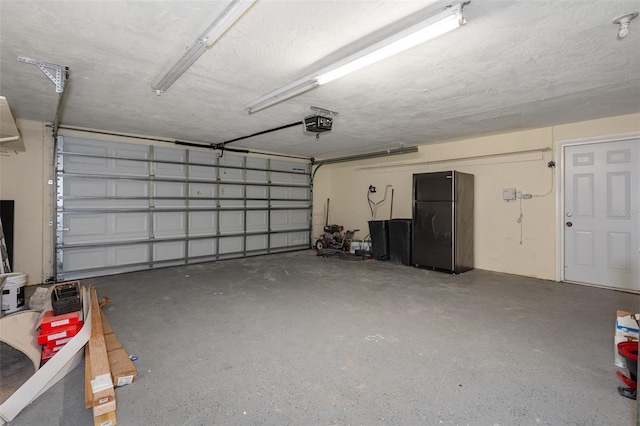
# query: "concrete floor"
[[299, 339]]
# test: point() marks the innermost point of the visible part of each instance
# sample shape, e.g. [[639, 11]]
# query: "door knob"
[[569, 224]]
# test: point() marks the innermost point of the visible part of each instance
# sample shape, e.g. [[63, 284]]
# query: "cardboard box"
[[48, 322], [626, 330], [57, 343], [58, 333], [47, 352]]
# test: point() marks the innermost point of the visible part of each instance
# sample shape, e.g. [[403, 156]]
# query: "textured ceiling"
[[515, 65]]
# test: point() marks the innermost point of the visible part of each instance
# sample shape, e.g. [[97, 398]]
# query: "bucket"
[[13, 292]]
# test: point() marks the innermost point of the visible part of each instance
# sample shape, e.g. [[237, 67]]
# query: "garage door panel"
[[168, 250], [202, 190], [231, 204], [231, 244], [261, 176], [299, 218], [231, 222], [86, 146], [85, 227], [170, 189], [204, 247], [129, 254], [169, 162], [79, 187], [202, 223], [100, 159], [105, 227], [82, 164], [257, 192], [128, 168], [291, 193], [279, 219], [229, 168], [290, 204], [289, 219], [127, 150], [299, 238], [300, 193], [231, 191], [258, 203], [169, 224], [168, 170], [279, 240], [83, 258], [89, 258], [129, 188], [129, 226], [203, 173], [288, 178], [90, 193], [157, 206], [257, 242], [257, 220], [204, 157], [175, 190]]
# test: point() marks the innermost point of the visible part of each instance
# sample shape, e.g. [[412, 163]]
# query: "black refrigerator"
[[443, 221]]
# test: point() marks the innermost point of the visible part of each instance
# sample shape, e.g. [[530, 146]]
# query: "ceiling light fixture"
[[220, 23], [625, 22], [430, 28]]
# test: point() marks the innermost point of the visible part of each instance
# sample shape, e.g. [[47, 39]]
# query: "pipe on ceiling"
[[377, 154]]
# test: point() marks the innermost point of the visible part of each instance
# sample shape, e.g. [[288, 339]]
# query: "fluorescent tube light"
[[430, 28], [218, 26], [286, 92], [400, 42]]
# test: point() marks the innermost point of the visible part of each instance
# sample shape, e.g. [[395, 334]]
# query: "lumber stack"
[[107, 366]]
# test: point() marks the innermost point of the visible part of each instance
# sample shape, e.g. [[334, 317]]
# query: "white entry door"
[[601, 207]]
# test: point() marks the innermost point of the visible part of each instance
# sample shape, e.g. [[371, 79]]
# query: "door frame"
[[560, 159]]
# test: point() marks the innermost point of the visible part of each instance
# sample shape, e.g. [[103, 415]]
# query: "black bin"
[[400, 241], [379, 230]]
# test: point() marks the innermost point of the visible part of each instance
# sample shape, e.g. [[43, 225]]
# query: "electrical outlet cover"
[[509, 194]]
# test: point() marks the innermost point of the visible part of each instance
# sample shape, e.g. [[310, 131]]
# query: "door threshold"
[[624, 290]]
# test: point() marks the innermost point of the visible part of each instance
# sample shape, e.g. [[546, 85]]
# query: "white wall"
[[508, 160], [511, 160], [24, 178]]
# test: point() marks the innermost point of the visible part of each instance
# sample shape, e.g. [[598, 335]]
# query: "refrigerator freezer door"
[[433, 186], [433, 234]]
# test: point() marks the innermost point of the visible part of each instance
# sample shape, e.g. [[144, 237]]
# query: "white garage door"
[[125, 207]]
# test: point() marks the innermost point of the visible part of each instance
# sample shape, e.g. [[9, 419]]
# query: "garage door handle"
[[63, 229]]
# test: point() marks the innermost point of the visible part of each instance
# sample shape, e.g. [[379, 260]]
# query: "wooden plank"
[[112, 342], [88, 395], [106, 419], [106, 328], [97, 345], [103, 397], [106, 406], [123, 371], [99, 398]]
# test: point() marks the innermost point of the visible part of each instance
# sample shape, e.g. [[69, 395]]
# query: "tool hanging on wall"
[[373, 206]]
